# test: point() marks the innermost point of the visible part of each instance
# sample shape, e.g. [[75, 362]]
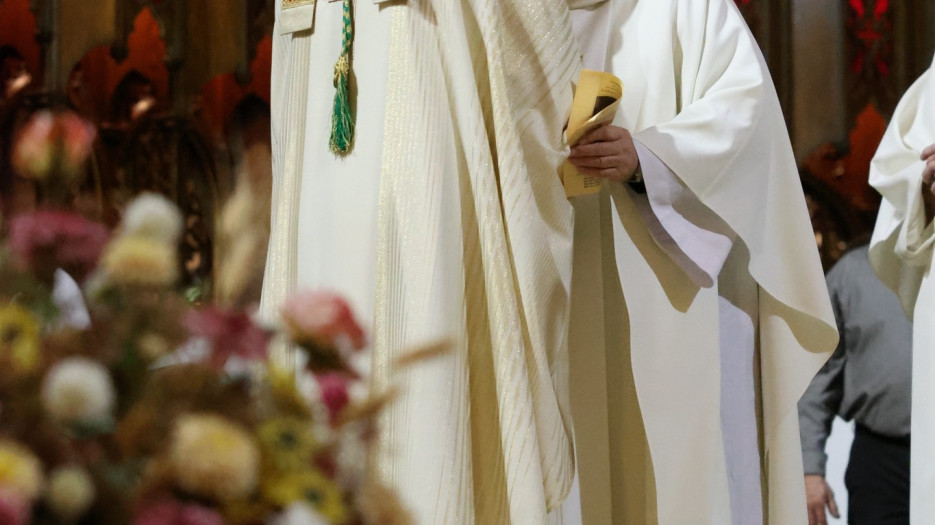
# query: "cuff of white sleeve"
[[679, 222], [916, 237]]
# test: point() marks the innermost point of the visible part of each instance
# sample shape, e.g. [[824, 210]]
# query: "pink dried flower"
[[195, 515], [229, 333], [333, 394], [48, 239], [173, 512], [14, 510], [322, 318], [50, 141]]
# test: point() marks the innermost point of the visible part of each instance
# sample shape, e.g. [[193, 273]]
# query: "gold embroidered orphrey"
[[286, 4]]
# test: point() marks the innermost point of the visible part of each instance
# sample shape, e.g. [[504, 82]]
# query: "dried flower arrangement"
[[122, 403]]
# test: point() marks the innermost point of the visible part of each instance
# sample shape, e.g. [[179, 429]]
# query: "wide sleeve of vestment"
[[729, 145], [901, 249], [691, 235]]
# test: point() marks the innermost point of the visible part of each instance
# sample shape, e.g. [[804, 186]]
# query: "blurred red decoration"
[[870, 24]]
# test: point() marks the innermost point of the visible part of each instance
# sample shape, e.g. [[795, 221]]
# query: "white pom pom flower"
[[71, 492], [78, 390], [154, 217]]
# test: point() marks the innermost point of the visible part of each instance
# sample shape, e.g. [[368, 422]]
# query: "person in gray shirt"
[[867, 380]]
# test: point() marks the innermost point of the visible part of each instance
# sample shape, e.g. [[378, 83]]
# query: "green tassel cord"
[[342, 119]]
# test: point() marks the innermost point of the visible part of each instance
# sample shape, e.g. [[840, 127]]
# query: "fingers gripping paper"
[[595, 105]]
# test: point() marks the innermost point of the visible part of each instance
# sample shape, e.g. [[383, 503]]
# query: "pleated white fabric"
[[475, 245], [901, 253], [447, 221]]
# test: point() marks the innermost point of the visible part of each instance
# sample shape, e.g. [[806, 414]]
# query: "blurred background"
[[179, 92]]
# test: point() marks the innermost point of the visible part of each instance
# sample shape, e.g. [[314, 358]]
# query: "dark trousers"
[[877, 480]]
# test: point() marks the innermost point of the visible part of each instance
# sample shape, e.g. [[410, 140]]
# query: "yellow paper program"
[[595, 105]]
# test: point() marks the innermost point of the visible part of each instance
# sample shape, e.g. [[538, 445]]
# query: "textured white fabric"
[[592, 32], [901, 253], [446, 220], [475, 245], [579, 4]]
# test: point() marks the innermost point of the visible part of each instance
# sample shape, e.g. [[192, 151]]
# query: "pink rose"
[[333, 394], [47, 239], [229, 333], [195, 515], [14, 510], [322, 318], [173, 512]]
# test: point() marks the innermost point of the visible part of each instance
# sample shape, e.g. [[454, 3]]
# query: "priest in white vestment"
[[902, 171], [715, 316], [697, 311]]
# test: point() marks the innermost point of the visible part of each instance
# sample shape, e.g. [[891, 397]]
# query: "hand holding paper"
[[608, 152], [595, 105]]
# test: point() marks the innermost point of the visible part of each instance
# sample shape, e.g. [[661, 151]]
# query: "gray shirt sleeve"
[[822, 400]]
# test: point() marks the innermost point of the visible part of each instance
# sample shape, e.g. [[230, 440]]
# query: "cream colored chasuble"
[[446, 220], [901, 253]]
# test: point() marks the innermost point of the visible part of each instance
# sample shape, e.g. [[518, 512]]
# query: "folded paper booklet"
[[596, 100]]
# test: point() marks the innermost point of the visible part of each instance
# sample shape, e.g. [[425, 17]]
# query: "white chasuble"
[[901, 253], [446, 220], [686, 367]]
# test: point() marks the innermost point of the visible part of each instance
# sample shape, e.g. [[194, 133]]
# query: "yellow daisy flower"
[[20, 471], [288, 443], [19, 338], [313, 488], [283, 388]]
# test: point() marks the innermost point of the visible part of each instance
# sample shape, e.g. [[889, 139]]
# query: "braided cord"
[[342, 118]]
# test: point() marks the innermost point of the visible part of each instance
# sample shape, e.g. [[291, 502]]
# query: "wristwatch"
[[636, 180]]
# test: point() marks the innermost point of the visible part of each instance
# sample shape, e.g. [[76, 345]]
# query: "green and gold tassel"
[[342, 119]]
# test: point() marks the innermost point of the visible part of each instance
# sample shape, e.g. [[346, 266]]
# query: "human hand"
[[928, 182], [607, 152], [819, 495]]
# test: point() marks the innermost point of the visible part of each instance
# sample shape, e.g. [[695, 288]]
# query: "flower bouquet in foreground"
[[121, 403]]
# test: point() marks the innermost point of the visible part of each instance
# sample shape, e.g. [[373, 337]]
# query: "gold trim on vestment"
[[288, 4]]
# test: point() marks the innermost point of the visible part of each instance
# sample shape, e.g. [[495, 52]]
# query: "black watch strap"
[[636, 181]]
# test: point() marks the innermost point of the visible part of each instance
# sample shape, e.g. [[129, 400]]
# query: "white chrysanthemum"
[[154, 217], [299, 513], [78, 389], [71, 492]]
